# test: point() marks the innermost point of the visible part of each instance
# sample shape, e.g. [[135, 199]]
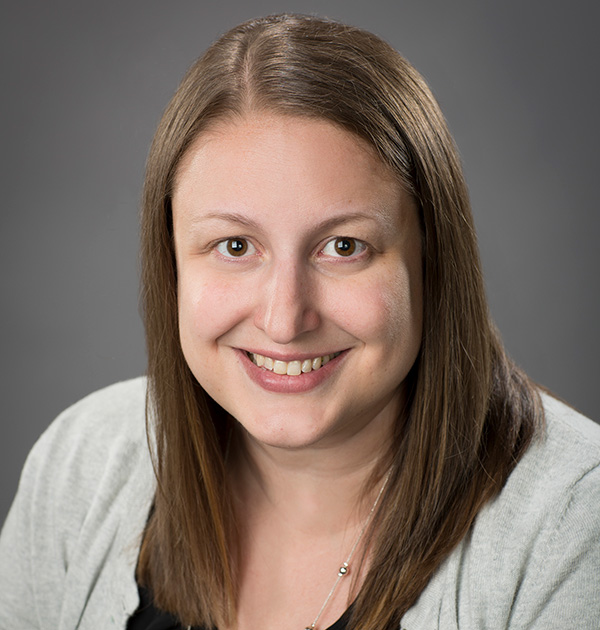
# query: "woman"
[[338, 438]]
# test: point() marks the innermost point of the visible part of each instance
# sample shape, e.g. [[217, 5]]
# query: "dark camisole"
[[147, 617]]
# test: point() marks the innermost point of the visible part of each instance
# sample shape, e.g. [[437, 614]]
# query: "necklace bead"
[[344, 568]]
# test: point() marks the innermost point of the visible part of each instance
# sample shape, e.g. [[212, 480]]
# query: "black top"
[[147, 617]]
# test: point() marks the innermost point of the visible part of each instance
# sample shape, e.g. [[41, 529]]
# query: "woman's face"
[[299, 278]]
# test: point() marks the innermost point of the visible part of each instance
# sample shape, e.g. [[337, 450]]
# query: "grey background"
[[84, 84]]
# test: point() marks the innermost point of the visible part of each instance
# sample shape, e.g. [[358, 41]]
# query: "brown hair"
[[470, 413]]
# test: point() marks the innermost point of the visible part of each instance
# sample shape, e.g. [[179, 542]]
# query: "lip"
[[284, 384]]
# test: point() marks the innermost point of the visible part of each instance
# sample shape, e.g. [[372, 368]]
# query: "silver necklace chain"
[[345, 568]]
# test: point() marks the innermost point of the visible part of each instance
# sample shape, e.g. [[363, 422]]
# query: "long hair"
[[470, 413]]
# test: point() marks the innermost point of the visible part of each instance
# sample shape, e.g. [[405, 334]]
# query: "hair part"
[[470, 413]]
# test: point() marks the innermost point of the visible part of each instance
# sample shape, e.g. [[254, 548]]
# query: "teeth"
[[291, 368], [294, 368], [280, 367]]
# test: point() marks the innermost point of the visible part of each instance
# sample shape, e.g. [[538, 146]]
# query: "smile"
[[291, 368]]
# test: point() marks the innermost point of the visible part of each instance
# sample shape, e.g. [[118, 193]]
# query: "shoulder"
[[559, 474], [568, 428], [94, 435], [94, 443], [101, 417], [90, 449], [565, 426], [70, 540], [534, 552], [564, 459], [532, 557], [540, 538]]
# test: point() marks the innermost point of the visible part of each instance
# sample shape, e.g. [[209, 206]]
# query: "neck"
[[322, 490], [302, 518]]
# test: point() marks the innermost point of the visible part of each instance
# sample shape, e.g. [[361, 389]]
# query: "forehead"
[[286, 160], [254, 121]]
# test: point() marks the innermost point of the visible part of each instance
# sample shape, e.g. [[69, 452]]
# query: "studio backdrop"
[[84, 85]]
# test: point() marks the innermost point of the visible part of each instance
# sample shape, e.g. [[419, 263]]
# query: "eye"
[[235, 247], [344, 246]]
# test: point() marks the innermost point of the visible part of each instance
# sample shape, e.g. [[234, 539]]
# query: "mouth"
[[291, 368]]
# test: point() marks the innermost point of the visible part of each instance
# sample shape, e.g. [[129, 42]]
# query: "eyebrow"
[[236, 217]]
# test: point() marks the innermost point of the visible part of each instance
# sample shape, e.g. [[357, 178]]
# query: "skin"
[[283, 189]]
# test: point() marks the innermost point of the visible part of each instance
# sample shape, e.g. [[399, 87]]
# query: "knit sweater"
[[69, 546]]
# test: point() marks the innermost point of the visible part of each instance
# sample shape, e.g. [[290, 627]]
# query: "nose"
[[286, 303]]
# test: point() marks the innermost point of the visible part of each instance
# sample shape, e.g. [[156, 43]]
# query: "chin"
[[286, 432]]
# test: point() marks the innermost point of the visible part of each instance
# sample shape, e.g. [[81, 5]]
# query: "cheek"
[[209, 307], [403, 300], [384, 308]]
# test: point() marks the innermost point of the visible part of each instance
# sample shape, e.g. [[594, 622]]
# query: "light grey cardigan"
[[69, 546]]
